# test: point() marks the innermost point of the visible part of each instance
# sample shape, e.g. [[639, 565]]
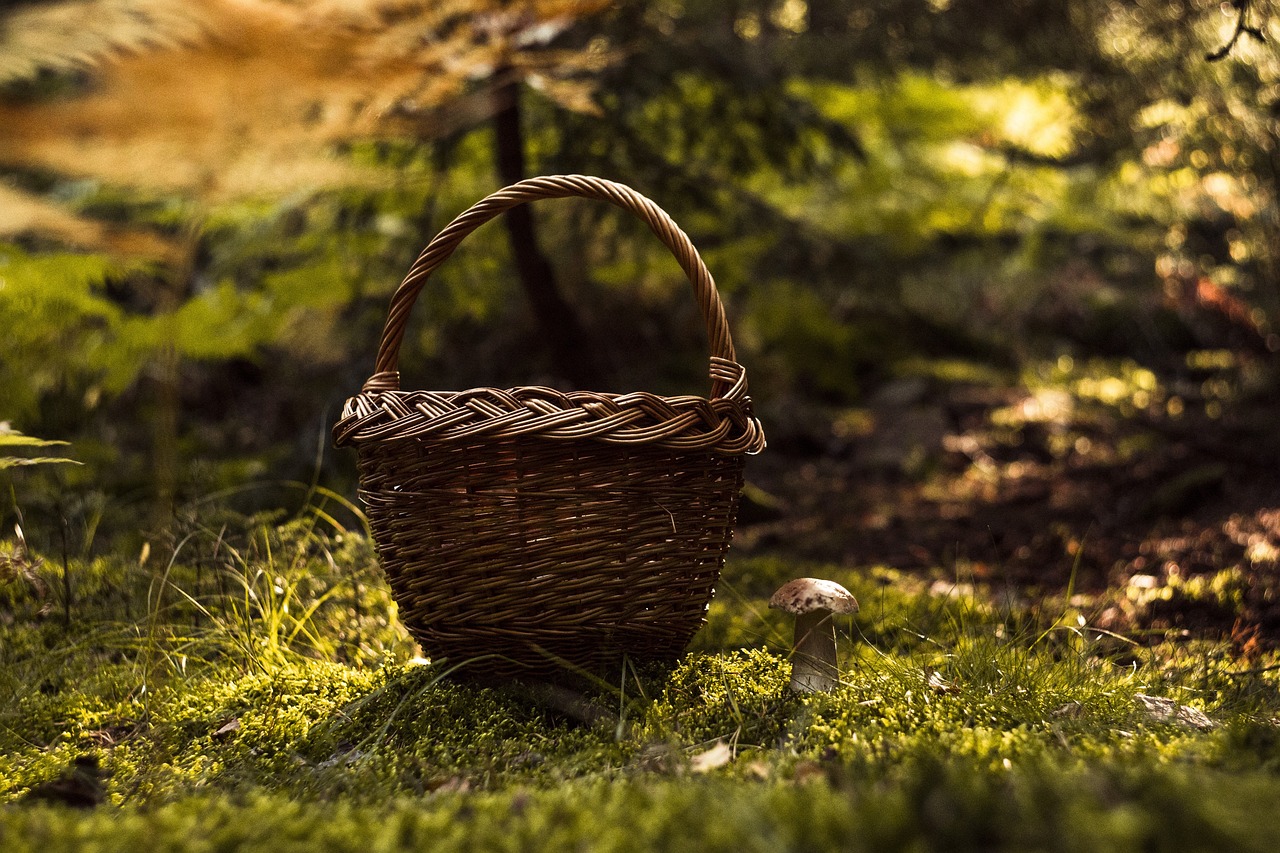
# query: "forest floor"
[[1068, 640], [1155, 506]]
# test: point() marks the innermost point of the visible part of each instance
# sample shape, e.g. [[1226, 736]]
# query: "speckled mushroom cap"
[[809, 595]]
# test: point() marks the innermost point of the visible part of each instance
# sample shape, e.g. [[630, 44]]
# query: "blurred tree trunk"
[[571, 351]]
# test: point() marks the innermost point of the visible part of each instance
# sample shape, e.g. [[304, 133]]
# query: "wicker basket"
[[528, 532]]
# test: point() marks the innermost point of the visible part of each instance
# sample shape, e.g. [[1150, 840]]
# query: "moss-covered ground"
[[255, 692]]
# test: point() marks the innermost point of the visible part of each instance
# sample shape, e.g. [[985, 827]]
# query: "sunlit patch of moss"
[[741, 697], [20, 771], [1226, 587], [418, 730], [897, 610], [156, 746], [47, 718], [1166, 599], [999, 702], [1121, 384]]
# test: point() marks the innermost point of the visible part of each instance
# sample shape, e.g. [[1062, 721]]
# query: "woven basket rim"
[[681, 422]]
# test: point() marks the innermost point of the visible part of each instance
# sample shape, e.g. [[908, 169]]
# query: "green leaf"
[[16, 462], [10, 437], [17, 439]]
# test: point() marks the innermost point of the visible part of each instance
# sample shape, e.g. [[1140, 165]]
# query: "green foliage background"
[[1063, 195], [871, 183]]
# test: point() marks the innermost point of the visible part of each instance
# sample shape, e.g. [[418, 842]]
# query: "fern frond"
[[76, 35], [225, 99]]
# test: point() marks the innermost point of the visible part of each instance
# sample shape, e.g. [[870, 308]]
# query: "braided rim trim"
[[725, 425]]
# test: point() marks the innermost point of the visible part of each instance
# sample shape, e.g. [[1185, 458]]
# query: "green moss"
[[928, 806], [897, 612], [741, 697], [287, 721]]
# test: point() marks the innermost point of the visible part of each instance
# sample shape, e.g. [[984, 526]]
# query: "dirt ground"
[[1155, 523]]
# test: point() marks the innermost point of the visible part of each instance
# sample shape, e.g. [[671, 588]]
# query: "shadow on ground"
[[1153, 503]]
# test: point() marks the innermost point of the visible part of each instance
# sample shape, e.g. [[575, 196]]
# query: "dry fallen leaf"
[[1165, 710], [228, 728], [939, 684], [717, 756]]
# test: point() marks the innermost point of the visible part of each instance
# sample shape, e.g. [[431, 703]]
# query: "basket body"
[[531, 533], [525, 557]]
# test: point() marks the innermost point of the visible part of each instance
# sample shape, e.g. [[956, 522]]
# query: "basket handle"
[[727, 377]]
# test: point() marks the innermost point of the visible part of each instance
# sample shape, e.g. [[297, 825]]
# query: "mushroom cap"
[[809, 595]]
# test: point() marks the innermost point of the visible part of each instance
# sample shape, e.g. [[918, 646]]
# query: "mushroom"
[[813, 658]]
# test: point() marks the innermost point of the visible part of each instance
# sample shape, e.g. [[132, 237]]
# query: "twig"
[[1243, 28]]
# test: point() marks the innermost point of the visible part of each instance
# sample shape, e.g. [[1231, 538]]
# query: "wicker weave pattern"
[[619, 549], [527, 531], [689, 423]]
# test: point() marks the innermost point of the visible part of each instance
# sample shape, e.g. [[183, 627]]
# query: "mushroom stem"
[[813, 658], [813, 654]]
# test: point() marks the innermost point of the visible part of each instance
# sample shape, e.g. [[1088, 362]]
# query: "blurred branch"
[[1089, 155], [1243, 28]]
